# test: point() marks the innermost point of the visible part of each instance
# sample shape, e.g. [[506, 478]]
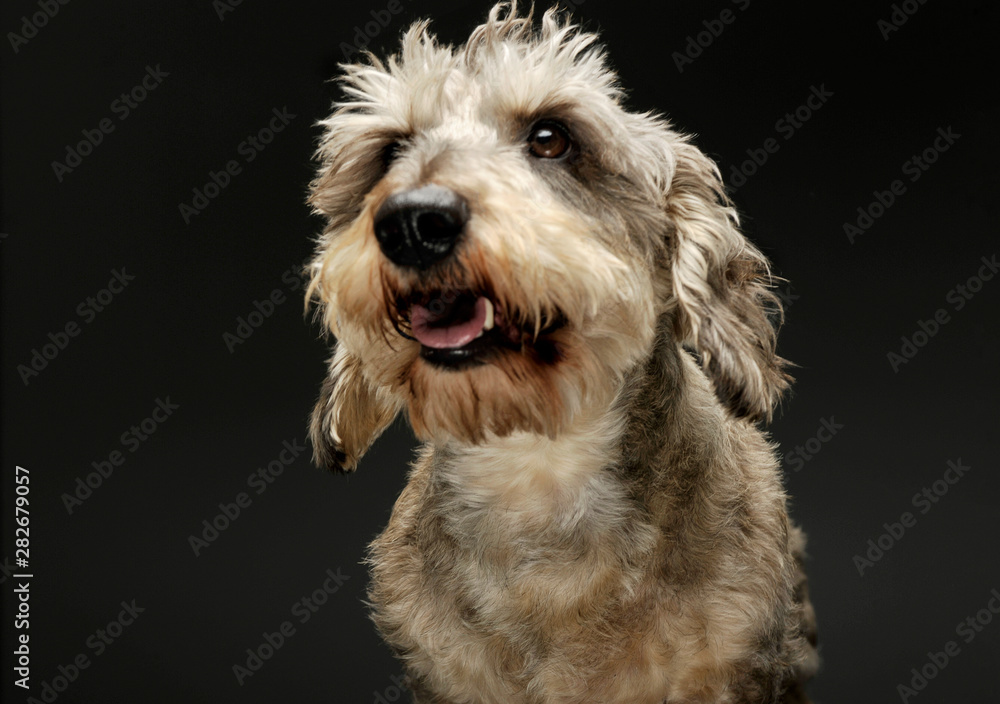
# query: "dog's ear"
[[721, 284], [349, 415]]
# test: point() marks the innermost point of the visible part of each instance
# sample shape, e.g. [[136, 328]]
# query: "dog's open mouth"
[[457, 329]]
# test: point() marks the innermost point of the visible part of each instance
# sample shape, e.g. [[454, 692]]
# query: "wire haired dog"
[[556, 293]]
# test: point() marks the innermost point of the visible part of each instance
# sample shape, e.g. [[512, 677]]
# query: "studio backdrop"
[[166, 535]]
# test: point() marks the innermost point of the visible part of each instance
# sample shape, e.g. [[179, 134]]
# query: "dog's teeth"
[[488, 325]]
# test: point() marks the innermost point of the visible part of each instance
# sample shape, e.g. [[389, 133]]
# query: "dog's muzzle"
[[420, 227]]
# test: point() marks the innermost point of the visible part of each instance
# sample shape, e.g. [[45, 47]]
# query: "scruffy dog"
[[556, 293]]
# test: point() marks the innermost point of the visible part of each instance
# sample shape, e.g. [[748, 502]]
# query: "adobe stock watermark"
[[924, 500], [7, 569], [827, 430], [967, 629], [224, 7], [698, 43], [958, 297], [901, 13], [250, 148], [786, 127], [914, 167], [294, 280], [96, 645], [303, 610], [88, 310], [392, 693], [121, 107], [363, 35], [258, 480], [786, 296], [132, 439], [30, 26]]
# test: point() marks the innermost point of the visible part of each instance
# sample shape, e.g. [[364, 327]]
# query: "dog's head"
[[503, 239]]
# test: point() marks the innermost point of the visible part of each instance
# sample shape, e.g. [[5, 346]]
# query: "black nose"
[[420, 227]]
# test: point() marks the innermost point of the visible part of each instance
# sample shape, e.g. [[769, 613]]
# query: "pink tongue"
[[450, 336]]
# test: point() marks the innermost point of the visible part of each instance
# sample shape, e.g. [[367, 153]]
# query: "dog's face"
[[504, 241]]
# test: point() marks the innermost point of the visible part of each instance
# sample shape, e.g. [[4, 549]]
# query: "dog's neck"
[[535, 475], [594, 475], [672, 415]]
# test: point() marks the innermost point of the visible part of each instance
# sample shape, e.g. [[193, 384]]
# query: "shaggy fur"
[[595, 515]]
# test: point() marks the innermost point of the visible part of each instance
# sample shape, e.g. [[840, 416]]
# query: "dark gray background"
[[163, 335]]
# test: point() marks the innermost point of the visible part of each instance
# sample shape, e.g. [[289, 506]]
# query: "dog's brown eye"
[[548, 140]]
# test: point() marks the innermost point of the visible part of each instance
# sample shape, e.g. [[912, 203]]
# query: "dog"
[[556, 293]]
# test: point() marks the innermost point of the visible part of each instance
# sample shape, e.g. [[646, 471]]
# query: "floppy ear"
[[349, 415], [720, 282]]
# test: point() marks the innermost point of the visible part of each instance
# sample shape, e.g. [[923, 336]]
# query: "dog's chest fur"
[[523, 570]]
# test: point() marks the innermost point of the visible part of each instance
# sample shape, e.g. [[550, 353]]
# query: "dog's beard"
[[468, 377], [512, 390], [464, 380], [484, 367], [561, 338]]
